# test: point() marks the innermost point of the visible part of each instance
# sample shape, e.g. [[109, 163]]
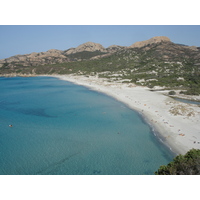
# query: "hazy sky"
[[27, 39]]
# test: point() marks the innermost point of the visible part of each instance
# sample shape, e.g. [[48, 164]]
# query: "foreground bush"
[[188, 164]]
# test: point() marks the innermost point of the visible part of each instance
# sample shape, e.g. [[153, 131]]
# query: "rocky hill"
[[153, 40], [154, 62], [88, 46], [84, 51], [89, 51]]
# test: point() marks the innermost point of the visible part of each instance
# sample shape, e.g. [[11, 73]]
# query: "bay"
[[65, 129]]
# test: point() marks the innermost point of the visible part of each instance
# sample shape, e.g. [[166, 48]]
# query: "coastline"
[[179, 132]]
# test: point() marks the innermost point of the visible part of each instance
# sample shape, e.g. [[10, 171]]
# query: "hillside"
[[154, 62]]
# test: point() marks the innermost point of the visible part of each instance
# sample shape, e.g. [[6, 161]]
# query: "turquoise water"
[[62, 128]]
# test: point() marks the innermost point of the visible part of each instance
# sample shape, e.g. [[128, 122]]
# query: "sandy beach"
[[174, 122]]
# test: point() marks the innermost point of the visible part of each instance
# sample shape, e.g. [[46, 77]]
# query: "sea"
[[50, 126]]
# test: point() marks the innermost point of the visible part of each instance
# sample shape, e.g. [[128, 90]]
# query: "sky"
[[25, 39]]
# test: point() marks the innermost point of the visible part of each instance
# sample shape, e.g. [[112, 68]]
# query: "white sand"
[[181, 133]]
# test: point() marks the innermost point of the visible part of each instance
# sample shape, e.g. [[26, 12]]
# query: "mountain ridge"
[[54, 56], [155, 62]]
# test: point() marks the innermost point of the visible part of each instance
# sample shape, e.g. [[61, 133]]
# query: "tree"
[[188, 164]]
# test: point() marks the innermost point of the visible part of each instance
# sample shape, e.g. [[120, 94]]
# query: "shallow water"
[[62, 128], [187, 101]]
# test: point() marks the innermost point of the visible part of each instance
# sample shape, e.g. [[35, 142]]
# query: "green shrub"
[[188, 164], [172, 93], [193, 91]]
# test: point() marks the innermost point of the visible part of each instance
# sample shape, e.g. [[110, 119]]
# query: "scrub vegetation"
[[188, 164]]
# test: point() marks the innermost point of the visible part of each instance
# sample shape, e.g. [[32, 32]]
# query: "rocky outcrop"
[[88, 46], [34, 59], [194, 48], [153, 40], [114, 48]]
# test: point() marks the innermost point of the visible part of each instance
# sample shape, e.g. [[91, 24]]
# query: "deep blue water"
[[62, 128]]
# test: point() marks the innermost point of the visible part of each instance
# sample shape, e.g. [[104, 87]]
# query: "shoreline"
[[179, 133]]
